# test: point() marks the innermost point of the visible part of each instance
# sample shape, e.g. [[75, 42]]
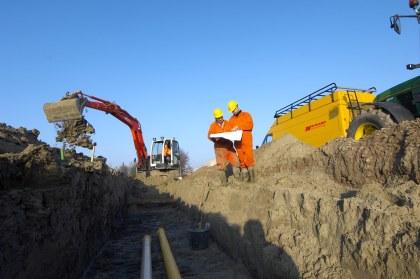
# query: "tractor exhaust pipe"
[[412, 66]]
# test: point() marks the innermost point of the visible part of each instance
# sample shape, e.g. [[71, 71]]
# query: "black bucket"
[[199, 238]]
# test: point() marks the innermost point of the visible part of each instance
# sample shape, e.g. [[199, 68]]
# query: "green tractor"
[[397, 104]]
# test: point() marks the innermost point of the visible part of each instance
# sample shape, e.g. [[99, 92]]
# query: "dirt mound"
[[55, 214], [27, 162], [287, 147], [347, 210], [15, 140], [388, 156]]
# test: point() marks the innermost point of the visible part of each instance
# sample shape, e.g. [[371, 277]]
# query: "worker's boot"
[[223, 177], [244, 174], [251, 173], [236, 172]]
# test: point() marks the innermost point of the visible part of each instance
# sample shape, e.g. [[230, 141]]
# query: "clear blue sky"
[[169, 63]]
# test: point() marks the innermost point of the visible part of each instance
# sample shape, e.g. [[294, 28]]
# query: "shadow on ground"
[[245, 244]]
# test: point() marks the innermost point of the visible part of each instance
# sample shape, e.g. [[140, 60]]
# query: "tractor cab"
[[165, 154]]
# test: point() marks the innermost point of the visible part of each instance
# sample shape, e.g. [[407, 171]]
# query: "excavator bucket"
[[67, 109]]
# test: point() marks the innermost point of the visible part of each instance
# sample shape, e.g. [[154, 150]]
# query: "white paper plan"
[[232, 136]]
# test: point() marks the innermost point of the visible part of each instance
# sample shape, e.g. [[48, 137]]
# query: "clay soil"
[[346, 210], [76, 218]]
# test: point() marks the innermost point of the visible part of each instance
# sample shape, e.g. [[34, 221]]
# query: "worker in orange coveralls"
[[223, 148], [242, 120], [167, 153]]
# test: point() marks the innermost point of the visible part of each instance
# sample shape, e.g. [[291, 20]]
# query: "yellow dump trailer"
[[320, 116]]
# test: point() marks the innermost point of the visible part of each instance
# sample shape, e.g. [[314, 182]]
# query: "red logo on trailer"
[[316, 125]]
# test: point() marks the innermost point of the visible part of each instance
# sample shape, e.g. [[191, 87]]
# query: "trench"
[[120, 257], [348, 210]]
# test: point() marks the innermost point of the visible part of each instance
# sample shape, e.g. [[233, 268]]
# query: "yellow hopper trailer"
[[320, 116]]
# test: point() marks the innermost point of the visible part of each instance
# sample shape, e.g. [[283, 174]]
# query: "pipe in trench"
[[146, 263], [172, 271]]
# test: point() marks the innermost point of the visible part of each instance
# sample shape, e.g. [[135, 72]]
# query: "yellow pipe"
[[172, 271]]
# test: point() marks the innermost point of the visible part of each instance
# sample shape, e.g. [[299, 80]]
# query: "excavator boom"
[[71, 108]]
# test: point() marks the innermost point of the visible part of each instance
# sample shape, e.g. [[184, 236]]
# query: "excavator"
[[71, 108]]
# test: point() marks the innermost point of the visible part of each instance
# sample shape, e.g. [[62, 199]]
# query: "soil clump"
[[75, 133]]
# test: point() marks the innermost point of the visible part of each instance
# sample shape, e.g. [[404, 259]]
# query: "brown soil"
[[26, 161], [350, 209], [15, 140], [347, 210], [389, 157], [121, 257], [75, 133], [56, 215]]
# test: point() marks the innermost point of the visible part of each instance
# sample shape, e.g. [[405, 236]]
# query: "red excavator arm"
[[124, 117]]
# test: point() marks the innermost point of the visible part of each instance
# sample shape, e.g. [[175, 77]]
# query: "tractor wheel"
[[368, 122]]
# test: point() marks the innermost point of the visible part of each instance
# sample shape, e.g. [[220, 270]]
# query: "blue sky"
[[170, 62]]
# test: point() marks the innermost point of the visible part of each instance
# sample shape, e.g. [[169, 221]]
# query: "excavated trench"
[[75, 218], [148, 210], [346, 210]]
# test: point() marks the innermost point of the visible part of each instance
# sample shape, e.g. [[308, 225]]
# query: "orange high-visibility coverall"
[[223, 148], [166, 154], [166, 151], [244, 147]]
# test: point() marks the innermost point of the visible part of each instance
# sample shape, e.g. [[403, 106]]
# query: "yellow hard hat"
[[232, 105], [217, 113]]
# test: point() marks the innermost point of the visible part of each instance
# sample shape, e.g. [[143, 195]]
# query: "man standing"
[[242, 120], [223, 148]]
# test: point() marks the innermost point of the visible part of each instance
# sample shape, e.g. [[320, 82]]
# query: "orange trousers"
[[245, 150], [224, 156]]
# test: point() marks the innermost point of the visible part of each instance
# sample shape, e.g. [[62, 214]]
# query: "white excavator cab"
[[165, 154]]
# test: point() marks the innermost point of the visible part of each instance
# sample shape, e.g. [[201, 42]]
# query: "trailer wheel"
[[368, 122]]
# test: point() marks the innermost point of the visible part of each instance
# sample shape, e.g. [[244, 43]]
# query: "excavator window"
[[157, 152], [175, 152]]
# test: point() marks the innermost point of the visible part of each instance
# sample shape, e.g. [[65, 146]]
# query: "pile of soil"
[[27, 162], [15, 140], [55, 214], [389, 157], [347, 210]]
